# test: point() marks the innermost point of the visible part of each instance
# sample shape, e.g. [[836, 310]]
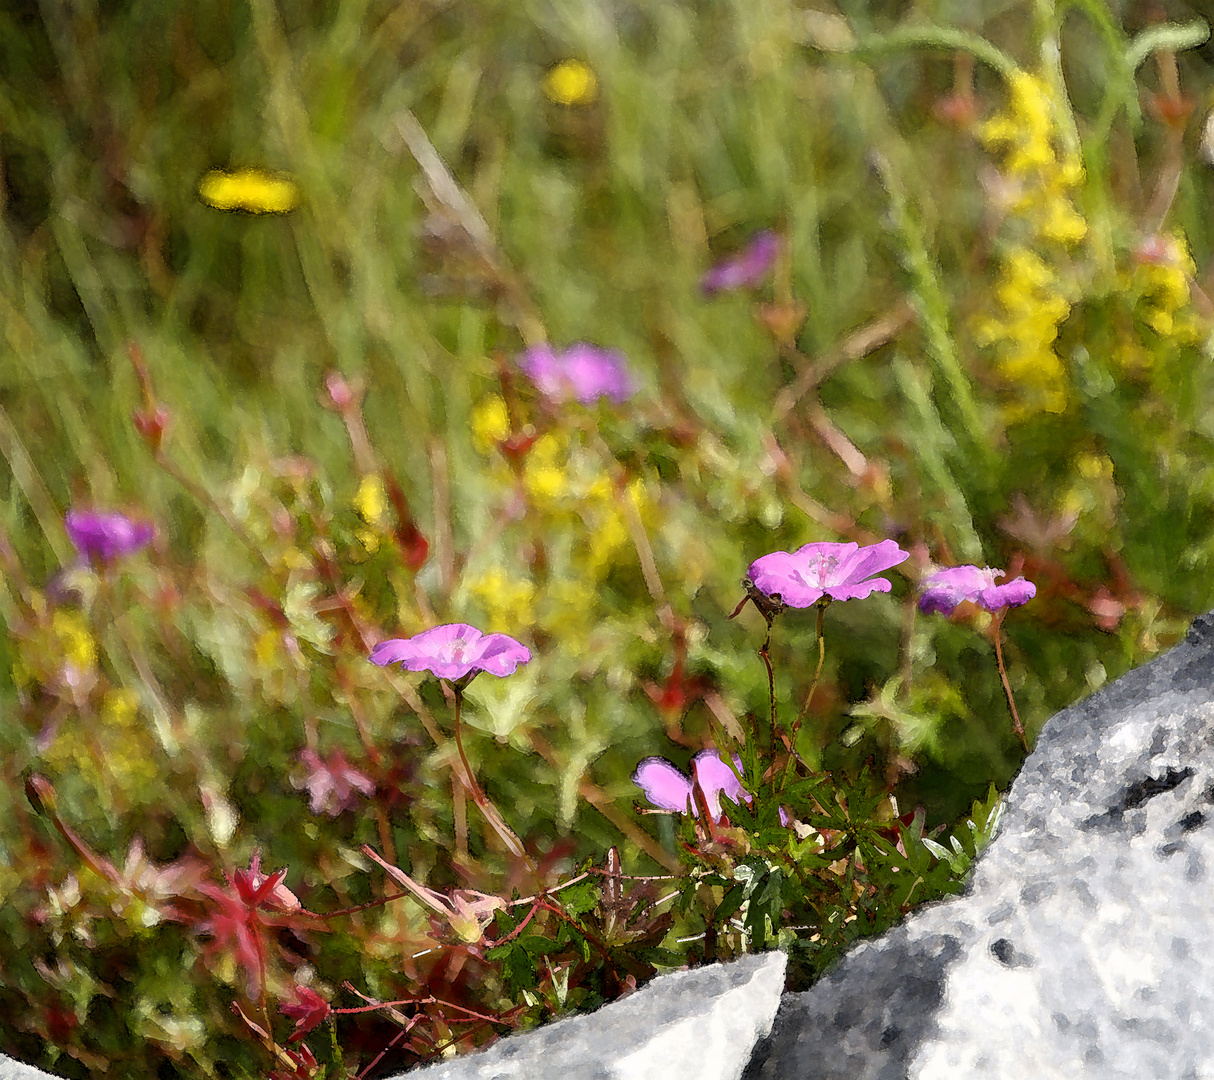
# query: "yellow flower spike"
[[255, 191], [571, 82], [371, 502]]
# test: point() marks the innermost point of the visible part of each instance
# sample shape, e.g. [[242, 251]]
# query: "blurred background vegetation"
[[986, 337]]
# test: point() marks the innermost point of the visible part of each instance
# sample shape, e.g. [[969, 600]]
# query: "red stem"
[[1007, 689]]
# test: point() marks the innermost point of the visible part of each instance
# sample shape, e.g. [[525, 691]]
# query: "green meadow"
[[270, 279]]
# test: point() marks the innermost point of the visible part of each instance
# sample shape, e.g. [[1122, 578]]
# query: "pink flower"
[[332, 783], [103, 537], [307, 1010], [945, 589], [235, 922], [668, 789], [255, 889], [582, 371], [838, 571], [748, 267], [453, 651]]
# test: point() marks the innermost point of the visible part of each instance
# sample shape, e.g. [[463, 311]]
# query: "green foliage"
[[986, 336]]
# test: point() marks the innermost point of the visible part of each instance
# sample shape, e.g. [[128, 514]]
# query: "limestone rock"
[[1079, 948], [18, 1070], [700, 1024]]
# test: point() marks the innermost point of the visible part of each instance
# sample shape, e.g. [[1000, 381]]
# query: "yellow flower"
[[76, 642], [256, 191], [506, 601], [371, 502], [490, 423], [571, 82], [606, 538], [545, 474], [1032, 293], [1157, 289]]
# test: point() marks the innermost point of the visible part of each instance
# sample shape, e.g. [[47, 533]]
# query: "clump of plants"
[[382, 614]]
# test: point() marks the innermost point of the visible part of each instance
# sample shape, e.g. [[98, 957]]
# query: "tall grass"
[[993, 351]]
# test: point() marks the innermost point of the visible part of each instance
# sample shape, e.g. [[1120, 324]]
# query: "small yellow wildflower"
[[76, 642], [490, 424], [571, 82], [256, 191], [608, 536], [545, 474], [506, 601], [371, 502], [116, 758], [267, 650], [1158, 287]]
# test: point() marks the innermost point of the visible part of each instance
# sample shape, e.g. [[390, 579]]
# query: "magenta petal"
[[392, 651], [748, 267], [583, 372], [716, 778], [453, 651], [664, 786], [839, 571], [1012, 594], [501, 654], [101, 536], [843, 571], [945, 589], [780, 574]]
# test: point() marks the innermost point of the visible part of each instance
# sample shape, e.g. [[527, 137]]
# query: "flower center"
[[824, 569]]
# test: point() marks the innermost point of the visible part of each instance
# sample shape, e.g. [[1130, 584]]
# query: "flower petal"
[[781, 574], [749, 267], [105, 536], [1012, 594], [501, 654], [716, 778], [664, 786], [453, 651]]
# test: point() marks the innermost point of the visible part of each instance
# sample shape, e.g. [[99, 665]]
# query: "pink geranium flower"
[[945, 589], [453, 651], [668, 789], [332, 782], [749, 267], [837, 571], [582, 371], [104, 537]]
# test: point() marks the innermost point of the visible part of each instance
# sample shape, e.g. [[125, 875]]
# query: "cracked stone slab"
[[1082, 944], [701, 1024]]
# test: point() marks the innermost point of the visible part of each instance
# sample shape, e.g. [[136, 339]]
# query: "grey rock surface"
[[1084, 945], [701, 1024], [18, 1070]]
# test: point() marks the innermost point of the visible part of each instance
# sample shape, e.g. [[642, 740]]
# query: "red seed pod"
[[151, 425]]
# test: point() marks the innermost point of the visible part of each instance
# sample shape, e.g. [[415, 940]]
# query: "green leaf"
[[730, 902]]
